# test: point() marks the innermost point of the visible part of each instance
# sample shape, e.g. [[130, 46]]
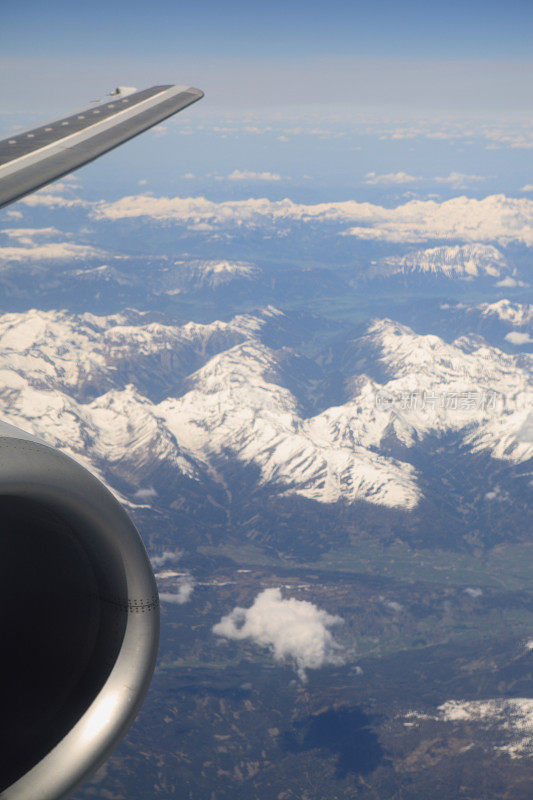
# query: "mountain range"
[[135, 397]]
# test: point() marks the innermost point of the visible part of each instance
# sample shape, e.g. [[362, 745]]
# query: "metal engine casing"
[[79, 620]]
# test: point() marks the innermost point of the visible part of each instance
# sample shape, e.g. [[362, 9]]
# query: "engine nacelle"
[[80, 620]]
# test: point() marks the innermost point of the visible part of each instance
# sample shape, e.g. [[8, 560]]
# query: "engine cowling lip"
[[30, 468]]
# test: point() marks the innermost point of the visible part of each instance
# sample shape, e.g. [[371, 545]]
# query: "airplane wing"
[[31, 159]]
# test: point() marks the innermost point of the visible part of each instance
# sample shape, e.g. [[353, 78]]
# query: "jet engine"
[[80, 620]]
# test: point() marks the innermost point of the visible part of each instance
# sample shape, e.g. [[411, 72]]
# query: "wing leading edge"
[[31, 159]]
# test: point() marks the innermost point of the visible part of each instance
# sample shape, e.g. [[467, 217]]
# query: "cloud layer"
[[496, 218], [28, 249], [293, 630], [250, 175], [183, 592]]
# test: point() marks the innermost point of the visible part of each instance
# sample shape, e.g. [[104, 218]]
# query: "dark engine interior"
[[61, 624]]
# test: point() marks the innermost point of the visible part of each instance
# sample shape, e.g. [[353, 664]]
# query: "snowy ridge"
[[509, 719], [436, 387], [470, 260], [212, 274], [237, 403], [86, 383], [517, 314]]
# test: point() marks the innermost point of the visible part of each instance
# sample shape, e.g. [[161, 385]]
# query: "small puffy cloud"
[[182, 593], [166, 557], [190, 176], [459, 180], [527, 188], [145, 495], [456, 180], [497, 493], [509, 282], [143, 182], [14, 214], [394, 606], [389, 178], [249, 175], [518, 337], [183, 585], [52, 251], [49, 199], [473, 592], [293, 630], [26, 236], [66, 184], [30, 246]]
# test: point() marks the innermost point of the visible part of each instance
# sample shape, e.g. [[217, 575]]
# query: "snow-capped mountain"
[[466, 261], [145, 401], [430, 386], [211, 274], [238, 403], [507, 721], [519, 315], [510, 314]]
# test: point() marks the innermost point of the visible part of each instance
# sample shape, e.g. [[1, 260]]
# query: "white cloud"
[[474, 593], [495, 218], [159, 131], [527, 188], [26, 236], [509, 282], [184, 590], [389, 178], [28, 249], [67, 183], [513, 139], [518, 337], [293, 630], [53, 251], [459, 180], [166, 557], [394, 606], [48, 197], [14, 214], [248, 175], [184, 582], [145, 495]]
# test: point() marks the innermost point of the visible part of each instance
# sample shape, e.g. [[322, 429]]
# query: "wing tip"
[[198, 92]]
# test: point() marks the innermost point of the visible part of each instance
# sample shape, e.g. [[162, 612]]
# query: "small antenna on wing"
[[122, 90]]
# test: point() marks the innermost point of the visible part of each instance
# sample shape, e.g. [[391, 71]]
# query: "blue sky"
[[459, 54], [319, 94], [460, 29]]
